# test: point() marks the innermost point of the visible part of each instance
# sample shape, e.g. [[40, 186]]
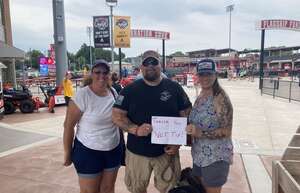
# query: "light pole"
[[111, 4], [60, 40], [229, 9], [89, 31]]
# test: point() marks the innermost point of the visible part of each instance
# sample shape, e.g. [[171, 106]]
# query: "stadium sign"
[[140, 33], [279, 24]]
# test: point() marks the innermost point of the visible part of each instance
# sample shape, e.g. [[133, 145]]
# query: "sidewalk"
[[31, 156]]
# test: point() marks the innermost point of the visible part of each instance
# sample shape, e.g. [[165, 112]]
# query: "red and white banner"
[[279, 24], [140, 33]]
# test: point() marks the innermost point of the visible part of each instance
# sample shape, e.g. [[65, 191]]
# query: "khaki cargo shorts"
[[139, 168]]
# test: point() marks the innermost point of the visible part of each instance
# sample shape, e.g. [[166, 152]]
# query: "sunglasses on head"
[[150, 61], [102, 72]]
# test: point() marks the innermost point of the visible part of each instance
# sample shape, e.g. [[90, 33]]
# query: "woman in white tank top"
[[95, 151]]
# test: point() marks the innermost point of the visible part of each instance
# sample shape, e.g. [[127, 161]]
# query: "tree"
[[103, 54], [71, 57], [33, 58], [84, 52], [81, 61], [178, 53], [97, 53]]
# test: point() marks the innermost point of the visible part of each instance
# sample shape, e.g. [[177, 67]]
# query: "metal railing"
[[281, 88]]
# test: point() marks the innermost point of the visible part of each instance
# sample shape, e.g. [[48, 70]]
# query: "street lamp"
[[111, 4], [89, 30], [229, 9]]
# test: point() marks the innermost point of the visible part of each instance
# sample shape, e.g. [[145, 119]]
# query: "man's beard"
[[151, 76]]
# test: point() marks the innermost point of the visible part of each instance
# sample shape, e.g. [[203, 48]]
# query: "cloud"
[[193, 24]]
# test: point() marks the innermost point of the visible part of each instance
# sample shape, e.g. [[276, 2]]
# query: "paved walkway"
[[31, 145]]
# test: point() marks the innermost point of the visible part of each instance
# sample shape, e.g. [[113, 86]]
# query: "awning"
[[2, 65], [280, 61], [7, 51]]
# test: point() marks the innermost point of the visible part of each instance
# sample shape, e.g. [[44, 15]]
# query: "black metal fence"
[[281, 88]]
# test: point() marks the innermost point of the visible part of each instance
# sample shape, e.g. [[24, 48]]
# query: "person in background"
[[210, 125], [95, 151], [150, 96], [124, 72], [68, 87], [115, 82]]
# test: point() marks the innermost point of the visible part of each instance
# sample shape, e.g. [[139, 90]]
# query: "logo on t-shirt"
[[164, 96], [119, 100]]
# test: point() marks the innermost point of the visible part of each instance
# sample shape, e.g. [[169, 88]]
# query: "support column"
[[60, 40], [163, 57], [13, 72], [9, 73], [261, 64], [120, 63]]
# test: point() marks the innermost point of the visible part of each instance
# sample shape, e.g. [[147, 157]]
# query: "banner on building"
[[122, 31], [101, 31]]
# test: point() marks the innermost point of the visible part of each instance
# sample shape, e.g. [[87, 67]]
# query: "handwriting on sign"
[[168, 130], [168, 134]]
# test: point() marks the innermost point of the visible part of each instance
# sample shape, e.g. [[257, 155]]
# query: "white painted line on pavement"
[[24, 147], [258, 177]]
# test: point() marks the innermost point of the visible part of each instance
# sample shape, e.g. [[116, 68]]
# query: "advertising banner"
[[101, 31], [278, 24], [111, 1], [44, 66], [142, 33], [122, 31]]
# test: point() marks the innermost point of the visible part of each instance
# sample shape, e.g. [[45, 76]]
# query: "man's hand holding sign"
[[169, 130]]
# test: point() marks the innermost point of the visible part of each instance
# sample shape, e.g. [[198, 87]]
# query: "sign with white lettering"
[[168, 130], [101, 31], [59, 99], [141, 33], [279, 24]]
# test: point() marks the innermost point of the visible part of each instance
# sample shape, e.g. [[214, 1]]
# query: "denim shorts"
[[90, 163], [214, 175]]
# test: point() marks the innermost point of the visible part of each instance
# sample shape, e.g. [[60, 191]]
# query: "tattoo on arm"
[[225, 112], [120, 118]]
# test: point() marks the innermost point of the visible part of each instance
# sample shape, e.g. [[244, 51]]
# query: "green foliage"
[[71, 57], [103, 54], [76, 61], [32, 59], [178, 53]]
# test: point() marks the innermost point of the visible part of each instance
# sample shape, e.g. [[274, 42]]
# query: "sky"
[[193, 24]]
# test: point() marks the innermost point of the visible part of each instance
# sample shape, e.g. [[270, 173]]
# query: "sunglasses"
[[104, 73], [150, 61]]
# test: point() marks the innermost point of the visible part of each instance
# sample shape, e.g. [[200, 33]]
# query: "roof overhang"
[[7, 51], [280, 61], [2, 65]]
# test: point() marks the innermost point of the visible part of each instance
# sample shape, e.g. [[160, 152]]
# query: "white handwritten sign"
[[168, 130]]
